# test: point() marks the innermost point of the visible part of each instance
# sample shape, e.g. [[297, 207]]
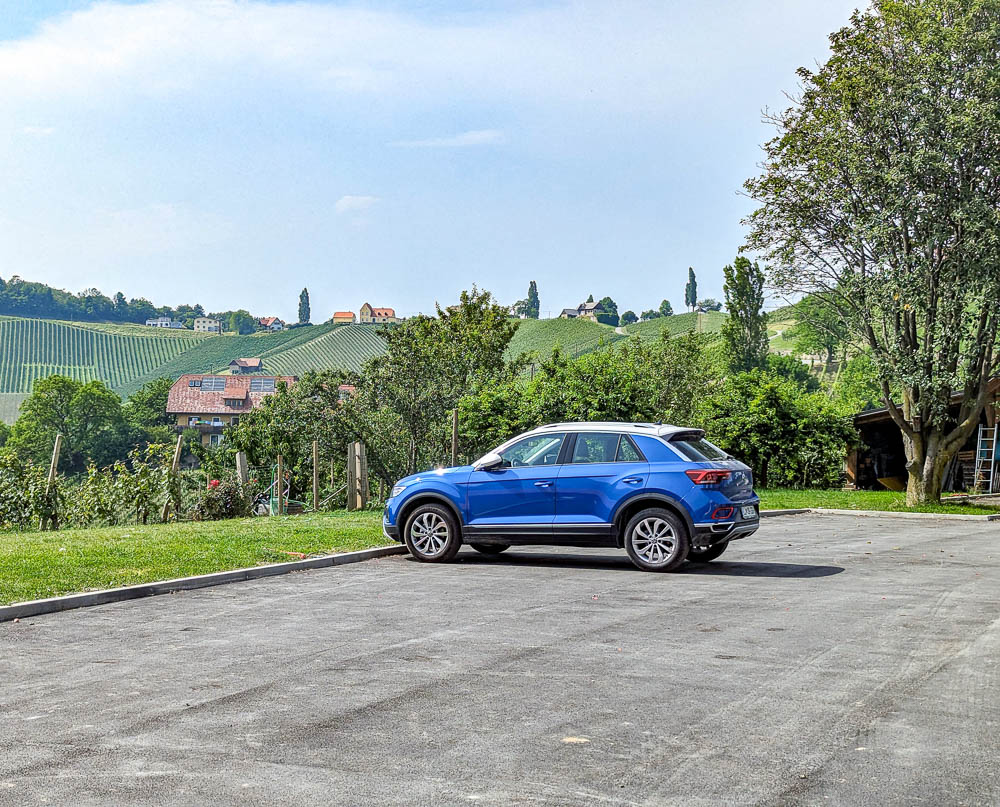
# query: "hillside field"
[[574, 336], [126, 356], [710, 322]]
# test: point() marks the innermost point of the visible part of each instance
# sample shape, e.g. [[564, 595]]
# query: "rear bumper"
[[707, 534]]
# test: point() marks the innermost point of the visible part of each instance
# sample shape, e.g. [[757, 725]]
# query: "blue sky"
[[230, 152]]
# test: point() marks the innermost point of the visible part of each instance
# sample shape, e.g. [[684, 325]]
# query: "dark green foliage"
[[242, 322], [628, 318], [304, 311], [691, 290], [87, 415], [650, 314], [787, 437], [745, 332], [224, 498], [820, 327], [792, 369], [146, 410], [666, 309], [710, 304], [533, 303], [607, 312], [880, 193]]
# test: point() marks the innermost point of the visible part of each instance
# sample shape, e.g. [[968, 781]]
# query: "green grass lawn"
[[780, 499], [34, 565]]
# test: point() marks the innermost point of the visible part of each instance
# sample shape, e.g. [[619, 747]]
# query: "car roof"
[[654, 429]]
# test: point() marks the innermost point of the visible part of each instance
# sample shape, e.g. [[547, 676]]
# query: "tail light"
[[707, 476]]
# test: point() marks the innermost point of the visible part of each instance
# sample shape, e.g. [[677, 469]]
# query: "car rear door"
[[602, 469], [518, 498]]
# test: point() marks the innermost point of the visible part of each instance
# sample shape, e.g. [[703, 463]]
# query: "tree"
[[710, 304], [880, 192], [146, 411], [666, 310], [241, 322], [590, 298], [533, 304], [745, 331], [304, 312], [628, 318], [607, 311], [819, 328], [87, 415], [691, 290], [650, 314]]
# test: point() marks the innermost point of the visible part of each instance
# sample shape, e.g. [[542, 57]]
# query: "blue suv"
[[664, 493]]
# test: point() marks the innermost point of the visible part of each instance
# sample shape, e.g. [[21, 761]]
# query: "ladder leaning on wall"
[[986, 449]]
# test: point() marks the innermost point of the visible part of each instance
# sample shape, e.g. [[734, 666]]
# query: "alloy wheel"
[[429, 534], [654, 541]]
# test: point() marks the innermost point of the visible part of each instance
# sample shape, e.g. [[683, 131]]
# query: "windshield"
[[699, 450]]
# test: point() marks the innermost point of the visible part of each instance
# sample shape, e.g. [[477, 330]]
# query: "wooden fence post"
[[174, 468], [242, 467], [454, 437], [363, 486], [50, 482], [315, 474], [352, 476], [281, 485]]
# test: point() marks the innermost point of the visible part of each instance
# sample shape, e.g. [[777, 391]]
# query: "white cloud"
[[38, 131], [354, 204], [476, 137]]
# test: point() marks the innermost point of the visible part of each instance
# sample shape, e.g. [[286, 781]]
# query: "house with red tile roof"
[[210, 403], [272, 323], [239, 366], [370, 315], [342, 318]]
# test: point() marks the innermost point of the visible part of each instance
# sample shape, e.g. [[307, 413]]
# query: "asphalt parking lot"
[[826, 660]]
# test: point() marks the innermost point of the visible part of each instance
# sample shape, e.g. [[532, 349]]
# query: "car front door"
[[517, 498], [602, 469]]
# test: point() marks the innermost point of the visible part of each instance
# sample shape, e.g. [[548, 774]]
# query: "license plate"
[[749, 511]]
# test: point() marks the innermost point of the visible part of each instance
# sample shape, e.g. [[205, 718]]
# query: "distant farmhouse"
[[272, 323], [210, 403], [207, 325], [244, 366], [582, 311], [369, 315], [343, 318], [164, 322]]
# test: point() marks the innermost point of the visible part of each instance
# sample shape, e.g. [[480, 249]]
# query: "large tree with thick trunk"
[[881, 194]]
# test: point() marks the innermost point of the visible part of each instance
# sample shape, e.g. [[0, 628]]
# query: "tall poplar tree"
[[304, 311], [745, 331]]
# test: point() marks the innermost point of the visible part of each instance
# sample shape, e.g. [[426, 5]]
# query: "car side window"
[[542, 449], [627, 452], [595, 447]]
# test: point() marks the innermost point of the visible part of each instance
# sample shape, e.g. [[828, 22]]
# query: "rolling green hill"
[[126, 356], [710, 322], [574, 336]]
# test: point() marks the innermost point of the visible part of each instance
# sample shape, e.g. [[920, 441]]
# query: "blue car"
[[664, 493]]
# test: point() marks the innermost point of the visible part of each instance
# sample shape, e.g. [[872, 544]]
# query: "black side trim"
[[477, 530]]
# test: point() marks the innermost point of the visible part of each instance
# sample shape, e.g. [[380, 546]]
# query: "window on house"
[[215, 439], [194, 382], [193, 420]]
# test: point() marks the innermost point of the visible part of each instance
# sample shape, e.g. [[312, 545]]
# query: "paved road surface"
[[827, 660]]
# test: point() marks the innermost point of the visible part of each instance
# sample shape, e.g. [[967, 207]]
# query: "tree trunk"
[[926, 464]]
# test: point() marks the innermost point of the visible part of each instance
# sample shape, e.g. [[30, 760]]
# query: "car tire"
[[490, 549], [432, 534], [656, 540], [710, 553]]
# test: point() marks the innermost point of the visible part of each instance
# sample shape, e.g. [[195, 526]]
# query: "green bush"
[[225, 498]]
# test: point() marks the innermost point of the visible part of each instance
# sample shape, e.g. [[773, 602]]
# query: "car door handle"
[[543, 484], [632, 480]]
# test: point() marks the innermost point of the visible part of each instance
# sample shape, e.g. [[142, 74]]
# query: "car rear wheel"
[[656, 540], [432, 534], [490, 549], [708, 553]]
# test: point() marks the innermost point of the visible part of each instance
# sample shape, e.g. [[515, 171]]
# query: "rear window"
[[699, 450]]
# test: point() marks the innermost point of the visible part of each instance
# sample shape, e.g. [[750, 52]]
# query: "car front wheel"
[[432, 534], [656, 540]]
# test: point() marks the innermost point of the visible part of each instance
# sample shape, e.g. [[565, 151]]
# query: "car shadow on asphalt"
[[622, 564]]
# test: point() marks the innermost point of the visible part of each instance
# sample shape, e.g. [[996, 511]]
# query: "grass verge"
[[34, 565], [887, 500]]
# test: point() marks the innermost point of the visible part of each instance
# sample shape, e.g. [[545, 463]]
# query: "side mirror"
[[488, 462]]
